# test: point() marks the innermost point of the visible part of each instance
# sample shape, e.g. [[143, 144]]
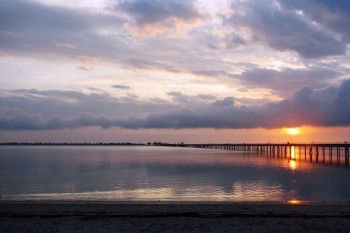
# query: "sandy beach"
[[66, 216]]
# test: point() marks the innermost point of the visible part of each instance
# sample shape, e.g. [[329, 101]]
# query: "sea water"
[[154, 173]]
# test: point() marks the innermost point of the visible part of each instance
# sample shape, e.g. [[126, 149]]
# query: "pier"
[[337, 153]]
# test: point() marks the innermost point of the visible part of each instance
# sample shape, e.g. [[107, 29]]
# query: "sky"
[[193, 71]]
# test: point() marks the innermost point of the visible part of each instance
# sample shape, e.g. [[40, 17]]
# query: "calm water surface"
[[134, 173]]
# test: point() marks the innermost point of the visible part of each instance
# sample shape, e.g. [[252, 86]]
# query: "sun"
[[293, 131]]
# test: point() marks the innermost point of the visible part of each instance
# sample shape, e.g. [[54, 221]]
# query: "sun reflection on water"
[[292, 161], [293, 165], [292, 153]]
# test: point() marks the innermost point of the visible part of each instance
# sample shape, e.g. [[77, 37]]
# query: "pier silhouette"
[[331, 153]]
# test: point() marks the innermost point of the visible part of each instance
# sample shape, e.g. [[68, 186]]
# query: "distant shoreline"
[[71, 144], [196, 145]]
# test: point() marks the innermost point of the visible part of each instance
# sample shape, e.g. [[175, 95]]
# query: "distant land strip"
[[195, 145]]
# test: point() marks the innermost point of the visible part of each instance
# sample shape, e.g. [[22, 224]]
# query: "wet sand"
[[67, 216]]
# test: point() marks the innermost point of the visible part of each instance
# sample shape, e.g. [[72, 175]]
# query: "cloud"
[[212, 73], [314, 107], [286, 80], [147, 64], [123, 87], [30, 27], [226, 102], [285, 29], [154, 11], [188, 100], [88, 63], [154, 17], [65, 45], [68, 104], [328, 106], [332, 14], [37, 122]]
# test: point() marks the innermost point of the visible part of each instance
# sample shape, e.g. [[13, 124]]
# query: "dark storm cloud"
[[157, 11], [285, 29], [287, 80], [58, 109]]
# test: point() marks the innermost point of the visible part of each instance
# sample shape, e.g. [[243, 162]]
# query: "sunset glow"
[[233, 106], [293, 131], [294, 202], [138, 70]]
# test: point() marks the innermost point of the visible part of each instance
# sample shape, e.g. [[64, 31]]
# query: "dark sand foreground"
[[95, 217]]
